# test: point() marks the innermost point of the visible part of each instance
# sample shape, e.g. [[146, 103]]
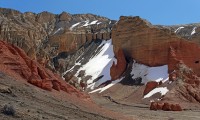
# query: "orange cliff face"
[[15, 62], [151, 45]]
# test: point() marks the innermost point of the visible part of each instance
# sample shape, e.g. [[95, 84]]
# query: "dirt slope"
[[33, 103]]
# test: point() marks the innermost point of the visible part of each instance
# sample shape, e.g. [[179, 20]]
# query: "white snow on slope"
[[162, 90], [98, 23], [100, 65], [193, 31], [87, 23], [93, 22], [147, 73], [177, 30], [58, 30], [74, 25], [107, 86]]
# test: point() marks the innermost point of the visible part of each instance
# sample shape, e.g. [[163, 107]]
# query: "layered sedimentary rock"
[[150, 45], [16, 63], [45, 35], [142, 41]]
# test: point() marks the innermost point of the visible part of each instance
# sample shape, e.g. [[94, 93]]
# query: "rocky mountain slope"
[[187, 31], [43, 36]]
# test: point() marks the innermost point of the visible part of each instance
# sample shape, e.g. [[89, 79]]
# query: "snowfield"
[[99, 65], [147, 73]]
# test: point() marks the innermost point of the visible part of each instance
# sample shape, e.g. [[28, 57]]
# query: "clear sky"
[[166, 12]]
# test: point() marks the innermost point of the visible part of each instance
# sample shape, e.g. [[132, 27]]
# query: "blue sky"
[[166, 12]]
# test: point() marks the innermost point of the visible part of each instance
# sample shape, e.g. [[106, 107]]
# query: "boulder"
[[160, 106], [165, 106], [153, 106], [176, 107]]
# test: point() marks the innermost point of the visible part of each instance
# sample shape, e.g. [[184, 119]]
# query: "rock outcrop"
[[151, 45], [165, 106], [118, 69], [142, 41], [187, 31], [185, 86], [16, 63]]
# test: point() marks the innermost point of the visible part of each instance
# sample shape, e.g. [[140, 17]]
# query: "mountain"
[[128, 66], [45, 35]]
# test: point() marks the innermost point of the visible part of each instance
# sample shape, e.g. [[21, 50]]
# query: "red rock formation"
[[154, 46], [153, 106], [150, 86], [186, 85], [165, 106], [16, 63], [142, 41], [160, 106], [117, 70], [176, 107]]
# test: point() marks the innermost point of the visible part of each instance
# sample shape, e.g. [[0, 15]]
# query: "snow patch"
[[107, 86], [147, 73], [59, 29], [93, 22], [193, 31], [162, 90], [177, 30], [74, 25], [99, 65], [99, 23], [87, 23]]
